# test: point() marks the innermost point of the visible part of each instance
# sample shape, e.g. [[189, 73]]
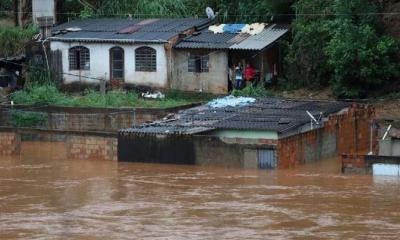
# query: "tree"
[[362, 58], [306, 61], [340, 43]]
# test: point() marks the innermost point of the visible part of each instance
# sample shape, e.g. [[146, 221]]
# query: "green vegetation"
[[232, 10], [5, 6], [343, 46], [50, 95], [251, 91], [14, 39]]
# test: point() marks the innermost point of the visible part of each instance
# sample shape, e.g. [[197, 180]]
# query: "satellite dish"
[[210, 13]]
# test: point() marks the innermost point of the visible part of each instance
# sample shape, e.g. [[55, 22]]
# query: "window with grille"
[[146, 59], [79, 58], [198, 63]]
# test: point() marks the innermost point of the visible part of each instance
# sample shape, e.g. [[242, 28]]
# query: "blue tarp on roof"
[[234, 28]]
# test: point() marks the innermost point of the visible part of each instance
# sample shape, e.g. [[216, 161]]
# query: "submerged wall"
[[10, 143], [83, 146], [155, 149]]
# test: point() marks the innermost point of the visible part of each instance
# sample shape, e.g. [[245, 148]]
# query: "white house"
[[128, 51], [184, 54]]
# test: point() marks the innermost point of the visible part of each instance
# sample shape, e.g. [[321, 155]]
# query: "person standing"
[[238, 77], [249, 73]]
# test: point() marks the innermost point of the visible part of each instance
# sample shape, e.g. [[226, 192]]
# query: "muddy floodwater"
[[45, 196]]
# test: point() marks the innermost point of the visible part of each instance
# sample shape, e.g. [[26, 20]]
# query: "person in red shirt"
[[249, 73]]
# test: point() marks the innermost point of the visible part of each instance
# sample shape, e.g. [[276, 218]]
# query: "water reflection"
[[44, 196]]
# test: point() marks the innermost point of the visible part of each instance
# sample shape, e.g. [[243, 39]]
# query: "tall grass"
[[13, 40]]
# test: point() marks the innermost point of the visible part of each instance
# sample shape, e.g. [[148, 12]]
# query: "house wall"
[[215, 81], [246, 134], [100, 64]]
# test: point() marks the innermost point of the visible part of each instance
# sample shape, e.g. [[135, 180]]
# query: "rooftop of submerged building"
[[259, 114]]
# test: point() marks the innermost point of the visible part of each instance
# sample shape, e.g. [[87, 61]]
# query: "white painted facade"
[[100, 64]]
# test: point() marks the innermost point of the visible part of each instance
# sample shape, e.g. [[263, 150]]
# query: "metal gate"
[[266, 159]]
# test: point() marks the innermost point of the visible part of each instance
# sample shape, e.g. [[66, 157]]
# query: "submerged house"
[[183, 54], [268, 133]]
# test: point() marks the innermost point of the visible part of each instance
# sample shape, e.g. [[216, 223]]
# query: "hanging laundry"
[[217, 28], [254, 29]]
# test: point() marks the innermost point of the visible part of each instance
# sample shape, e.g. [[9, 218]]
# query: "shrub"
[[251, 91], [28, 119], [14, 39]]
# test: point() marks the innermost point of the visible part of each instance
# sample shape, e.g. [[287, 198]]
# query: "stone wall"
[[92, 148], [9, 143]]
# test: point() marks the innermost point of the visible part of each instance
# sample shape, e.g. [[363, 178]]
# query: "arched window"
[[79, 58], [146, 59], [117, 63]]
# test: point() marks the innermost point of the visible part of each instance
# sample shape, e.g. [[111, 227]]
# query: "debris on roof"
[[251, 37]]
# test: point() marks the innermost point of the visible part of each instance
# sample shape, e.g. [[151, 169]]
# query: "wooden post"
[[103, 85], [262, 69]]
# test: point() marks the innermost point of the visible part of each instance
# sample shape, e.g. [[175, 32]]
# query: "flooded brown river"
[[44, 196]]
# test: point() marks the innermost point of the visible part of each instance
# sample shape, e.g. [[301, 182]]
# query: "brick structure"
[[353, 163], [82, 146], [9, 143], [344, 133], [92, 148]]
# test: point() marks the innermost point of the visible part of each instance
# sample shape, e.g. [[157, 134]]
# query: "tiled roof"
[[239, 41], [125, 30], [266, 114]]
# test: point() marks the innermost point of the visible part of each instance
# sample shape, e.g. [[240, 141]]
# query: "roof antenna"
[[313, 119], [210, 13]]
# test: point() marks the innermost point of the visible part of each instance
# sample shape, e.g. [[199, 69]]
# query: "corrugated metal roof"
[[237, 41], [261, 40], [107, 30], [266, 114]]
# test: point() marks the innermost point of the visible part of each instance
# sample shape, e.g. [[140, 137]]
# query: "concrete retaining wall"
[[89, 119]]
